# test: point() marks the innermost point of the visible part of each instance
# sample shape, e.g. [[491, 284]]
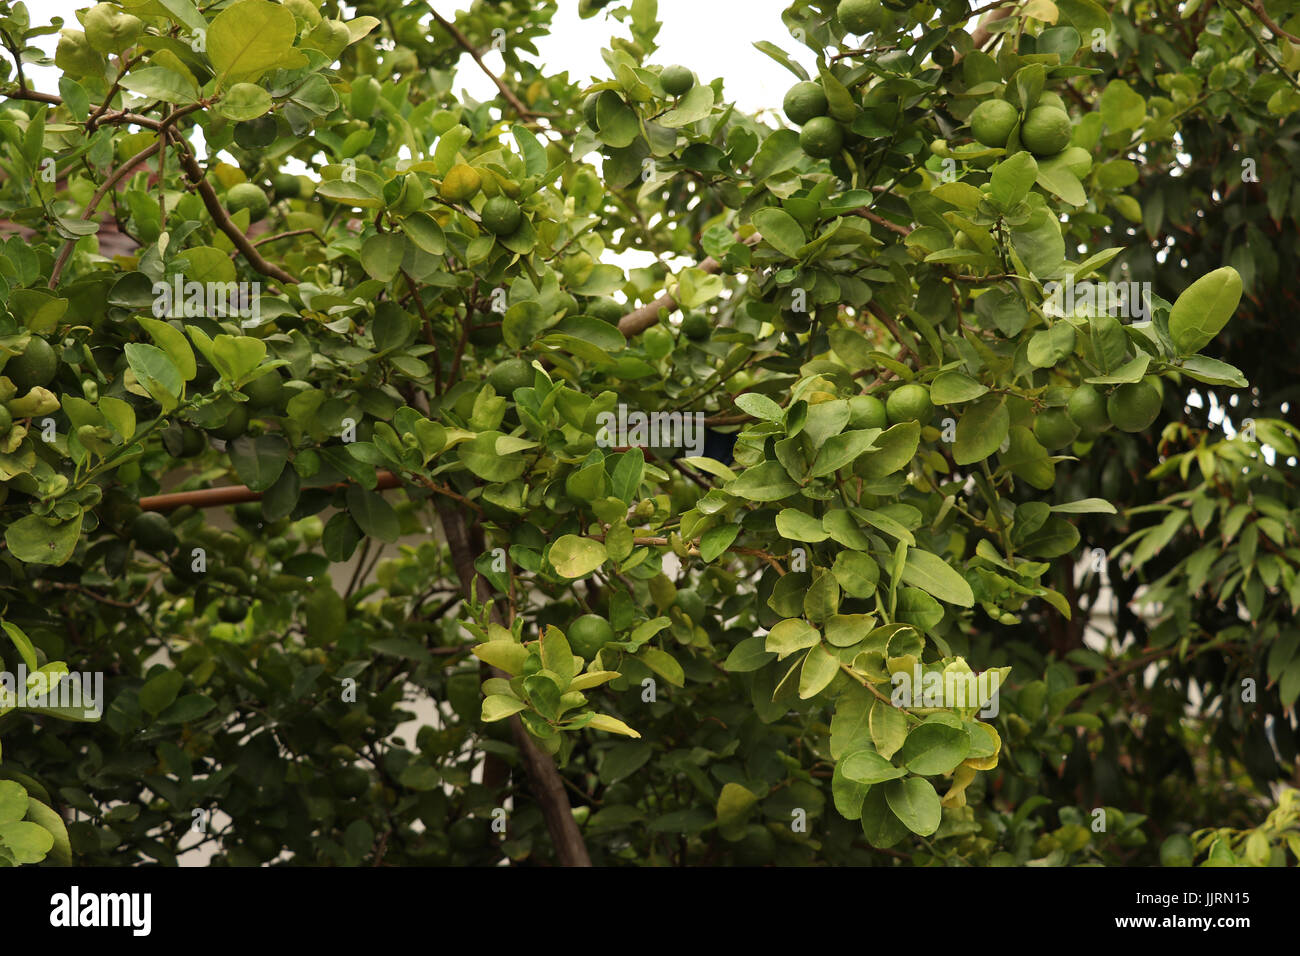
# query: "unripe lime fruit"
[[248, 196], [909, 403], [1054, 428], [234, 424], [286, 186], [232, 610], [511, 374], [1048, 98], [821, 137], [501, 215], [605, 309], [153, 532], [460, 183], [263, 390], [588, 634], [861, 16], [256, 133], [34, 368], [1087, 409], [867, 411], [991, 122], [676, 80], [695, 327], [803, 101], [1046, 130], [1133, 407]]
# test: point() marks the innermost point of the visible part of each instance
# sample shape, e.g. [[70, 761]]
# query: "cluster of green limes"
[[906, 403], [805, 105], [1131, 407], [1044, 129]]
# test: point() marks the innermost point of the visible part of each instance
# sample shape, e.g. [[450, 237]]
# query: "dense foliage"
[[877, 440]]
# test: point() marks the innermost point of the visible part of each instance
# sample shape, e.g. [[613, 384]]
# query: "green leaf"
[[20, 640], [160, 691], [841, 450], [381, 255], [936, 746], [249, 38], [735, 803], [934, 575], [1204, 308], [780, 230], [749, 655], [716, 541], [38, 540], [953, 388], [894, 448], [1085, 506], [869, 767], [759, 406], [13, 801], [797, 525], [423, 230], [767, 481], [244, 101], [915, 803], [173, 342], [499, 707], [373, 514], [982, 430], [27, 841], [888, 728], [258, 461], [1012, 179], [576, 557], [156, 373], [663, 664], [818, 670], [792, 634]]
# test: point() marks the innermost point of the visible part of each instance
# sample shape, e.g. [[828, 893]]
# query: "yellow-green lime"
[[248, 196], [234, 424], [588, 634], [909, 403], [501, 215], [861, 16], [511, 374], [867, 411], [991, 122], [803, 101], [821, 137], [35, 367], [1054, 428], [1087, 409], [1046, 130], [676, 80], [460, 183], [1133, 406]]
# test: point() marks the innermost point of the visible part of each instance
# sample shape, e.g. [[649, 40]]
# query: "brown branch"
[[292, 232], [222, 218], [117, 176], [881, 221], [887, 321], [1257, 8], [523, 111], [544, 779], [236, 494]]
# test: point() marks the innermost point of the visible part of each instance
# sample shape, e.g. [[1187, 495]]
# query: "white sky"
[[712, 37]]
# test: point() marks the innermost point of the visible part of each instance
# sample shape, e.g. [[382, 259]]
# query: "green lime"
[[488, 334], [263, 390], [588, 634], [605, 309], [862, 16], [511, 374], [676, 80], [468, 833], [867, 411], [232, 610], [1087, 409], [1177, 850], [234, 424], [256, 133], [249, 514], [501, 215], [153, 532], [1133, 407], [695, 327], [248, 196], [589, 110], [461, 183], [1048, 98], [34, 368], [193, 442], [821, 137], [1054, 428], [991, 122], [351, 782], [909, 403], [804, 101], [1046, 130]]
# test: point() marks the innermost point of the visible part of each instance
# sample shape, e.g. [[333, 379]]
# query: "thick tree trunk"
[[543, 776]]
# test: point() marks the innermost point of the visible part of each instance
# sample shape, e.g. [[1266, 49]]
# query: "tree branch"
[[523, 111]]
